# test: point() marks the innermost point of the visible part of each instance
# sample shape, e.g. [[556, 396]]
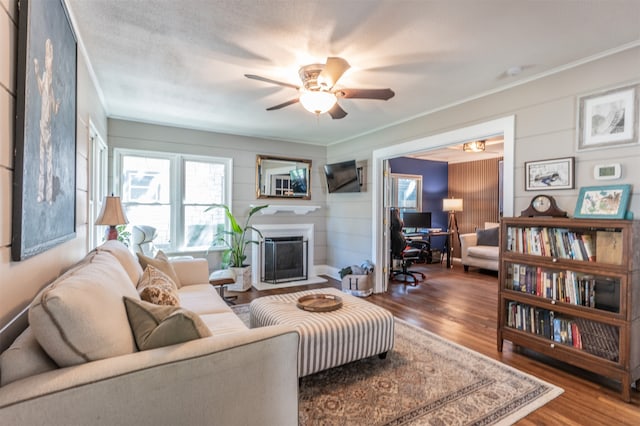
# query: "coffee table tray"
[[319, 302]]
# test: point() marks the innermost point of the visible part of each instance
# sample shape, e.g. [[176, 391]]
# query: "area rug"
[[425, 380]]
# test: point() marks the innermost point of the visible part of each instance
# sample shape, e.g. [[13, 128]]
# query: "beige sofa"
[[235, 376], [484, 255]]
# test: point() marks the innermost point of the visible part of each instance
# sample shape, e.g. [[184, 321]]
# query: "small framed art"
[[603, 202], [608, 118], [549, 174]]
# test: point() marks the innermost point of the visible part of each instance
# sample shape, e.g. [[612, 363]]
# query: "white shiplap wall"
[[243, 150], [20, 281], [545, 116]]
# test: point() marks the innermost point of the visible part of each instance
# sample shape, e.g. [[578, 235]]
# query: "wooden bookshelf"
[[570, 289]]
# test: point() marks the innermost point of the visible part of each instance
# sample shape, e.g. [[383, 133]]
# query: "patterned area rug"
[[425, 380]]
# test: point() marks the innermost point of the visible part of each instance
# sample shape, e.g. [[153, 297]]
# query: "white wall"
[[545, 115], [243, 150], [20, 281]]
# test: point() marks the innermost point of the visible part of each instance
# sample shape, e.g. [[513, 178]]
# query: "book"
[[587, 241]]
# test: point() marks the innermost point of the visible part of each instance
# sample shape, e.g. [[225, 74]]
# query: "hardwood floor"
[[461, 307]]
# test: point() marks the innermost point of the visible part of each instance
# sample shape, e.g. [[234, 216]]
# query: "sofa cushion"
[[488, 237], [155, 326], [484, 252], [223, 323], [161, 261], [80, 316], [202, 299], [24, 358], [156, 287], [125, 257]]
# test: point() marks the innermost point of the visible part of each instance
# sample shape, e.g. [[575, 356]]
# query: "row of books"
[[543, 322], [566, 286], [596, 338], [554, 242]]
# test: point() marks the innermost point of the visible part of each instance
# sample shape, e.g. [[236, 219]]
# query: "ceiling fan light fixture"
[[475, 146], [317, 102]]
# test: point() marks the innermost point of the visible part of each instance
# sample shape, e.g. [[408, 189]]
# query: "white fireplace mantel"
[[306, 230], [297, 209]]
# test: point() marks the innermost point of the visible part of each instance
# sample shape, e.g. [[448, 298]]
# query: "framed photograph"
[[549, 174], [44, 187], [608, 118], [603, 202]]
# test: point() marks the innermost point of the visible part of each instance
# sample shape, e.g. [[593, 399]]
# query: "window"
[[98, 174], [171, 192], [406, 192]]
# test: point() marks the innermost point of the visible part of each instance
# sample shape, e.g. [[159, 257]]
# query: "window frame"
[[177, 182], [395, 191]]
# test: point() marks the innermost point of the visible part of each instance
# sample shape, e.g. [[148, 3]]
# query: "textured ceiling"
[[182, 63]]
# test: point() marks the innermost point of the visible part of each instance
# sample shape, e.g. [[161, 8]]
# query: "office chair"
[[408, 252]]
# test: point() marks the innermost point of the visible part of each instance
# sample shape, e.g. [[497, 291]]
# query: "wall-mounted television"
[[342, 177]]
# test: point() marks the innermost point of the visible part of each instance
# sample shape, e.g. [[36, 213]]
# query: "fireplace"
[[284, 259], [277, 231]]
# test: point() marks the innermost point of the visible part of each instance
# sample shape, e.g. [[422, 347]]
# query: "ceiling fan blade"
[[268, 80], [336, 112], [381, 94], [332, 71], [284, 104]]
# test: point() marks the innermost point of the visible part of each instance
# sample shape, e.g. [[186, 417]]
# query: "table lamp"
[[112, 215]]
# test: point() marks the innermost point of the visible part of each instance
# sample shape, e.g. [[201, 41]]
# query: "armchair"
[[480, 249], [142, 237]]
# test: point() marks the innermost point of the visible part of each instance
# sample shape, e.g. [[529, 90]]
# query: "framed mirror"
[[281, 177]]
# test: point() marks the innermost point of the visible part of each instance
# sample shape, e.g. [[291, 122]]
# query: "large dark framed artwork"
[[45, 163]]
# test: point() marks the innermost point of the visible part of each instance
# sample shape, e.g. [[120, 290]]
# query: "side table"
[[221, 279]]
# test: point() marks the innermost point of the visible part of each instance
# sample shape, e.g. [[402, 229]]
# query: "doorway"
[[379, 215]]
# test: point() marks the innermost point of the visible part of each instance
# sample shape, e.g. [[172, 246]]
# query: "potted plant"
[[236, 240]]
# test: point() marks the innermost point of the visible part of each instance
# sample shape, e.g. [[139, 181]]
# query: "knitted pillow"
[[156, 287]]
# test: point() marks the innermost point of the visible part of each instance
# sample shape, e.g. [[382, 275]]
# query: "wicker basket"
[[599, 339]]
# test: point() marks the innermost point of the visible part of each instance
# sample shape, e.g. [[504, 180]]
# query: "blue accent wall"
[[435, 184]]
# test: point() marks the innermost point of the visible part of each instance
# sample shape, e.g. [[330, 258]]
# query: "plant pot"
[[243, 279]]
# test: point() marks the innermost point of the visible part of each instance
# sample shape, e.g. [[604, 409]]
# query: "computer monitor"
[[417, 220]]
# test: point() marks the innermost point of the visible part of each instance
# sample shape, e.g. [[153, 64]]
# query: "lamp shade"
[[111, 213], [318, 101], [452, 204]]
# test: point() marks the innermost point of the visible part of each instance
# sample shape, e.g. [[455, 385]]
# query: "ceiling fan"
[[318, 93]]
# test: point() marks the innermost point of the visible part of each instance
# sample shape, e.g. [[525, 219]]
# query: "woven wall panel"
[[476, 182]]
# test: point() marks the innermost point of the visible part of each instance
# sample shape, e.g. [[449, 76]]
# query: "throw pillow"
[[488, 237], [156, 287], [161, 261], [24, 358], [80, 316], [155, 326], [124, 256]]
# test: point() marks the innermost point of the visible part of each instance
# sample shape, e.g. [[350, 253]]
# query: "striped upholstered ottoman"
[[357, 330]]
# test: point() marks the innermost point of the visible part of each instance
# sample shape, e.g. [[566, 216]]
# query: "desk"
[[427, 236]]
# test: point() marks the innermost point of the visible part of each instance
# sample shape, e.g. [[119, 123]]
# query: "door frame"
[[504, 126]]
